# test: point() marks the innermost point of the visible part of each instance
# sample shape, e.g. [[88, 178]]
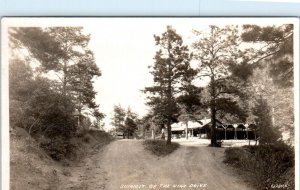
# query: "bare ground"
[[125, 162], [86, 175]]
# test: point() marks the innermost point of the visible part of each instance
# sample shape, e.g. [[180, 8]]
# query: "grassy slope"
[[31, 168], [159, 147], [264, 166]]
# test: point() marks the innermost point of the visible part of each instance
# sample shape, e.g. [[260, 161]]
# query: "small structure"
[[199, 128], [120, 135], [237, 131], [77, 115], [202, 129]]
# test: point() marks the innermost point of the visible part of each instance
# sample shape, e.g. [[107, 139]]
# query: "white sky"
[[124, 48]]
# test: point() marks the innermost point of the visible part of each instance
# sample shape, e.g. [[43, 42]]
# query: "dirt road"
[[124, 164], [129, 166]]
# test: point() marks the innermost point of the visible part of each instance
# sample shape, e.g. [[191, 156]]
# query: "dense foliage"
[[240, 67], [125, 121], [266, 165], [42, 104]]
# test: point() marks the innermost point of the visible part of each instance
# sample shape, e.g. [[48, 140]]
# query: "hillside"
[[31, 168]]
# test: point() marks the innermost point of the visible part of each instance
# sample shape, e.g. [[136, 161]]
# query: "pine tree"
[[276, 44], [118, 118], [172, 64], [216, 52], [63, 51]]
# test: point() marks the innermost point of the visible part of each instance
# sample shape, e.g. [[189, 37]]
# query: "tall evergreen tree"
[[81, 83], [172, 64], [118, 118], [216, 52]]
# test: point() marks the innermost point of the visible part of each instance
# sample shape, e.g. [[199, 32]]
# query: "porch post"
[[247, 125], [235, 135]]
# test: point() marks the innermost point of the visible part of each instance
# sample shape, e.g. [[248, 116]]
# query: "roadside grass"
[[88, 141], [75, 148], [159, 147], [264, 166]]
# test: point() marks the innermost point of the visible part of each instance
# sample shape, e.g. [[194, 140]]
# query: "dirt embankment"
[[32, 169]]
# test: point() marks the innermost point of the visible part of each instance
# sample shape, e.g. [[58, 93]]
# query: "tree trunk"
[[213, 128], [153, 134], [213, 112], [169, 132], [79, 118], [144, 132], [169, 97], [65, 79], [255, 138], [187, 130]]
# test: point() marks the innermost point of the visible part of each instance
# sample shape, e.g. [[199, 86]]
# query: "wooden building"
[[202, 129]]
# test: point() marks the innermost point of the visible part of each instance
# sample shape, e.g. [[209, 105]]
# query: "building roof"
[[180, 126]]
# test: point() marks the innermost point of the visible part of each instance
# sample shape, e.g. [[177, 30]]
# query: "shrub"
[[236, 156], [87, 139], [159, 147], [267, 164], [265, 129], [101, 136], [58, 148], [271, 162]]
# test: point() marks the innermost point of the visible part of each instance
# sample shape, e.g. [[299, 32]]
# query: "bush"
[[267, 165], [58, 148], [101, 136], [159, 147], [271, 162], [87, 139], [266, 131], [236, 156]]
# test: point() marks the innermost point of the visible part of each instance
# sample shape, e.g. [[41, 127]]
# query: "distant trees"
[[172, 64], [130, 126], [118, 118], [145, 124], [124, 121]]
